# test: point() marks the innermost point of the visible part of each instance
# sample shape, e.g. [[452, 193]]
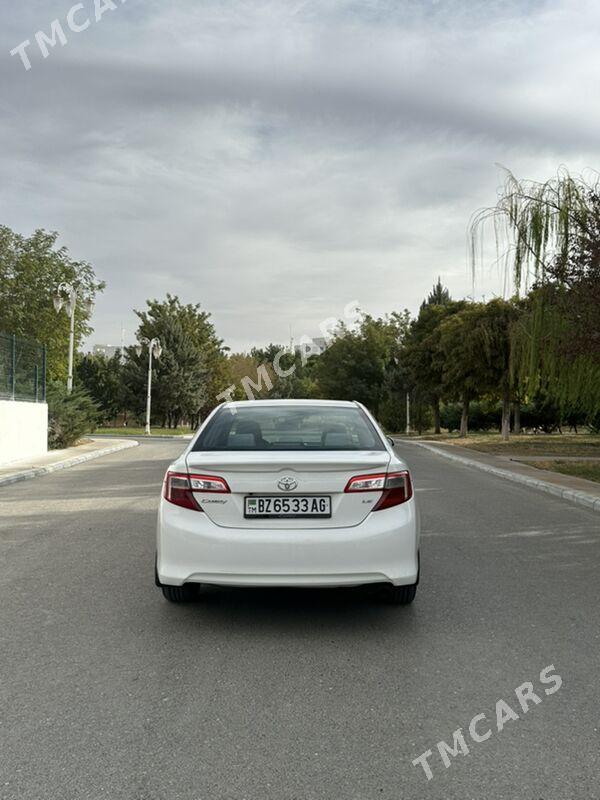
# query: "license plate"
[[297, 506]]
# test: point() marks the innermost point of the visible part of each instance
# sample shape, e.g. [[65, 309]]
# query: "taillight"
[[366, 483], [179, 488], [396, 487], [208, 483]]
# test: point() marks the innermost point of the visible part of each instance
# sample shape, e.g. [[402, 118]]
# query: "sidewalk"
[[576, 490], [61, 459]]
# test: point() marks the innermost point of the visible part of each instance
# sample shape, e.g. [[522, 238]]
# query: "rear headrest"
[[334, 439], [250, 426], [336, 427], [241, 440]]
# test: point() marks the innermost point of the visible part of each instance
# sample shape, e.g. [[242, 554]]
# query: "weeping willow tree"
[[534, 224], [547, 236], [542, 362]]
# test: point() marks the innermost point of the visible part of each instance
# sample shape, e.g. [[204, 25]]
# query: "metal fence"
[[22, 369]]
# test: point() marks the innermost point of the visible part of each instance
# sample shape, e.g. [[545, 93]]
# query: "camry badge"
[[287, 484]]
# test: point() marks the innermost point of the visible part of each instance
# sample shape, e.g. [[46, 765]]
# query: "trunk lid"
[[315, 473]]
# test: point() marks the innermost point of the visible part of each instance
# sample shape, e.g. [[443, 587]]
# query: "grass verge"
[[589, 470], [140, 431], [566, 444]]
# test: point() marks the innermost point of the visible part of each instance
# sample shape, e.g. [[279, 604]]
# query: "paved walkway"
[[61, 459], [576, 490]]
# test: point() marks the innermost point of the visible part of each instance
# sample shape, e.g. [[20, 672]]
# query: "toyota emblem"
[[287, 484]]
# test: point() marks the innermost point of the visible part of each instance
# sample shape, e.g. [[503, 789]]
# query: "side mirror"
[[391, 441]]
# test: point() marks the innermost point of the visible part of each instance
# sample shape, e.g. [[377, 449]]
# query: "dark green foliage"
[[179, 376], [438, 296], [268, 354], [547, 356], [422, 355], [102, 378], [593, 421], [421, 416], [31, 268], [355, 366], [550, 233], [296, 371], [450, 414], [483, 416], [192, 369], [467, 371], [69, 415], [542, 414], [392, 413], [577, 285]]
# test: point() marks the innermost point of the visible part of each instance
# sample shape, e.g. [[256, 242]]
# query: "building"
[[312, 346], [106, 350]]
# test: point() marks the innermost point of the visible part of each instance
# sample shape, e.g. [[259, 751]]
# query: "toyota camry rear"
[[288, 493]]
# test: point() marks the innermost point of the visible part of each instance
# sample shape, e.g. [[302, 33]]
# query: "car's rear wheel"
[[180, 594], [399, 595]]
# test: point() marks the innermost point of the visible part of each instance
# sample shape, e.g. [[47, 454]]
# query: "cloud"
[[277, 160]]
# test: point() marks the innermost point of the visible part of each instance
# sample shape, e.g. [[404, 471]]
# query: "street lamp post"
[[66, 296], [154, 349]]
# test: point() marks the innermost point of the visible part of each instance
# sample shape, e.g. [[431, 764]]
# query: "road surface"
[[108, 691]]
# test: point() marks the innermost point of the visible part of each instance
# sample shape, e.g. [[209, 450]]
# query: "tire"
[[399, 595], [180, 594]]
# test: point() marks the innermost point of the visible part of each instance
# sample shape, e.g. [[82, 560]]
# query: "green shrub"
[[450, 416], [392, 413], [483, 416], [69, 415], [593, 422]]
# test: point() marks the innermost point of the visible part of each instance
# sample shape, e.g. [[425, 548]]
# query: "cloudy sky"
[[277, 159]]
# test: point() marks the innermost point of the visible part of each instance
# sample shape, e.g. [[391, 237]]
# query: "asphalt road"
[[107, 691]]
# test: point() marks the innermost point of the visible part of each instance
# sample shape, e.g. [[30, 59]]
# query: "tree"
[[576, 285], [547, 358], [535, 224], [293, 373], [469, 371], [102, 378], [188, 370], [31, 269], [495, 336], [194, 325], [550, 233], [438, 296], [267, 354], [422, 353], [355, 365], [244, 376], [475, 344]]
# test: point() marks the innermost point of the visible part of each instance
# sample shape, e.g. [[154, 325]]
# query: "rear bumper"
[[382, 549]]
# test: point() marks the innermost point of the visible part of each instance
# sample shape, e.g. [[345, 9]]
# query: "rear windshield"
[[289, 428]]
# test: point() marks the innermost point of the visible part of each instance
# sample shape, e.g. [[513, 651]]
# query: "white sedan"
[[288, 493]]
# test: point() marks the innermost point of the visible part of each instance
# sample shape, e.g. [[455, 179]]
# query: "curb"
[[37, 472], [589, 501]]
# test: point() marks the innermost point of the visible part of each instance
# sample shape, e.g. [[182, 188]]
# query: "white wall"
[[23, 430]]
